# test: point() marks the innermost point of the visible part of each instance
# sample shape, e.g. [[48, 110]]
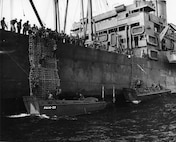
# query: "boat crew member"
[[50, 95], [81, 97], [19, 26], [34, 29], [25, 27], [54, 48], [3, 24], [12, 23], [57, 92]]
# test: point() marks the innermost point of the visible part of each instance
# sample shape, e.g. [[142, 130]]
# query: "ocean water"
[[151, 121]]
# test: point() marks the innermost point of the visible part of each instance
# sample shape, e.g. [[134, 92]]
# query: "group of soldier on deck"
[[16, 26]]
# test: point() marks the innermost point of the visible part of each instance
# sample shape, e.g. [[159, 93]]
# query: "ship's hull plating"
[[80, 69]]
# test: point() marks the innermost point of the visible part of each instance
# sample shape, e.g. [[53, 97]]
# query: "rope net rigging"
[[43, 76]]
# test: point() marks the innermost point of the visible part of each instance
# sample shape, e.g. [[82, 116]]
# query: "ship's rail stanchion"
[[103, 93], [113, 94]]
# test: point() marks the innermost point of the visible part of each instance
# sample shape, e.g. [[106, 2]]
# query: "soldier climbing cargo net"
[[43, 76]]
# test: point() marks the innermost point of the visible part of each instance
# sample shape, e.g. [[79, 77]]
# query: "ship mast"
[[65, 21], [90, 20], [82, 9], [57, 15]]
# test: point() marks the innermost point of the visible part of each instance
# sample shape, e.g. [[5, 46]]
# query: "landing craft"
[[114, 50]]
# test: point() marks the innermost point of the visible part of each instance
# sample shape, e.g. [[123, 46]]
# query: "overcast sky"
[[21, 9]]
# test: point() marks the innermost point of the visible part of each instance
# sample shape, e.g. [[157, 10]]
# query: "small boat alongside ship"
[[134, 97], [59, 108]]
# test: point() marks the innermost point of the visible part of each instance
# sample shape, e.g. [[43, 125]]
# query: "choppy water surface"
[[150, 121]]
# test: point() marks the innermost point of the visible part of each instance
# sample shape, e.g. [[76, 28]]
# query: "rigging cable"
[[58, 15], [55, 3], [16, 62]]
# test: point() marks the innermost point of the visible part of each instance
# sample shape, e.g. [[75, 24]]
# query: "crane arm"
[[36, 13], [164, 31]]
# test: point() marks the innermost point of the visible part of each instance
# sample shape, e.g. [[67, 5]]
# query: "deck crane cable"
[[36, 13]]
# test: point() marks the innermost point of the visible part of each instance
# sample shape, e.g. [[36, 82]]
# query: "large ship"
[[108, 52]]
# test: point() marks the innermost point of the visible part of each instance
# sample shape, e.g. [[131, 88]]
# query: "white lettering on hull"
[[49, 107]]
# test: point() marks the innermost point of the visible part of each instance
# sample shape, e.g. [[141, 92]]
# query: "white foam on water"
[[44, 116], [19, 115]]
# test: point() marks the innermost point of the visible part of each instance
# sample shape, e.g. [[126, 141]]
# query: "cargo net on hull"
[[43, 76]]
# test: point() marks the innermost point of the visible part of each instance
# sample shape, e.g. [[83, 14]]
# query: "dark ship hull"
[[80, 68], [14, 69]]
